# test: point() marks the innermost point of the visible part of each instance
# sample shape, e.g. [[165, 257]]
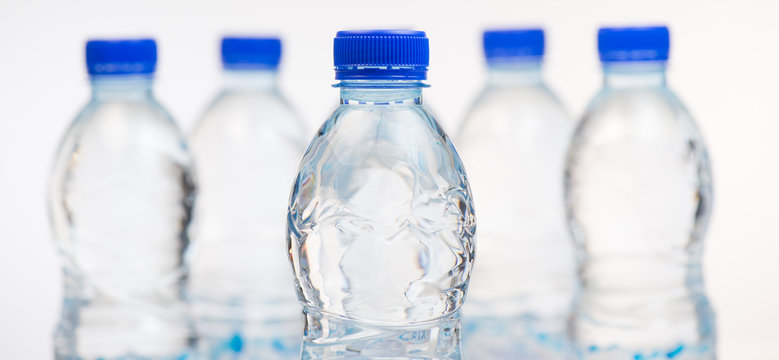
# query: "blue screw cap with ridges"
[[121, 57], [513, 45], [251, 52], [625, 44], [381, 55]]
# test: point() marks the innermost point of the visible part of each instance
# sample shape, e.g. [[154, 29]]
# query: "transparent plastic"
[[638, 190], [513, 142], [120, 202], [246, 149], [381, 228]]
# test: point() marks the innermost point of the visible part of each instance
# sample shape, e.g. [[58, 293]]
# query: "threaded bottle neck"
[[381, 92], [127, 87], [634, 74]]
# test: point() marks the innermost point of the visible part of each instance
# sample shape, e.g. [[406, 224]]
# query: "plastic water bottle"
[[381, 222], [513, 142], [638, 188], [120, 202], [246, 150]]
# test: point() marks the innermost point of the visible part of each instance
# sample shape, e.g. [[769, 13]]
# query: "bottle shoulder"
[[516, 102], [643, 113], [404, 108], [246, 115], [389, 134], [128, 114], [238, 101], [507, 112], [639, 127], [659, 101], [123, 127], [382, 122], [522, 94]]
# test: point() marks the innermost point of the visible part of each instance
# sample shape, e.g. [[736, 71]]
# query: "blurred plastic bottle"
[[638, 188], [120, 202], [381, 222], [246, 150], [513, 142]]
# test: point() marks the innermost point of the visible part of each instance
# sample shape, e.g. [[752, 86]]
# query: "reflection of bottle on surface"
[[246, 150], [120, 203], [638, 188], [513, 143], [381, 222]]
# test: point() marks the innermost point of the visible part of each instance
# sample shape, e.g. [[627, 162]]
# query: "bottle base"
[[684, 335], [676, 352], [70, 356], [246, 330], [243, 346], [330, 337], [120, 333], [524, 337]]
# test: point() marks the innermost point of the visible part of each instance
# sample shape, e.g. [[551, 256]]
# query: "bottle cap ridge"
[[381, 55]]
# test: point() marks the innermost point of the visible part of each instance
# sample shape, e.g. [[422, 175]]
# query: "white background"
[[724, 65]]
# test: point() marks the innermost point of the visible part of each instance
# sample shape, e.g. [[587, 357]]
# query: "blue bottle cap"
[[381, 55], [121, 57], [251, 52], [513, 45], [620, 44]]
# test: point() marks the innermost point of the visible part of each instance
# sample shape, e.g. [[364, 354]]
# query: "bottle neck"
[[634, 74], [381, 92], [265, 79], [121, 87], [515, 74]]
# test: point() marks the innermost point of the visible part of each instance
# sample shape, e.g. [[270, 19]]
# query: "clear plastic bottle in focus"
[[513, 142], [381, 221], [120, 203], [638, 190], [246, 149]]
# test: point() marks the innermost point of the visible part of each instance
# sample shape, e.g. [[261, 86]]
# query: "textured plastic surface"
[[247, 147], [380, 231], [120, 202], [513, 142], [639, 195]]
